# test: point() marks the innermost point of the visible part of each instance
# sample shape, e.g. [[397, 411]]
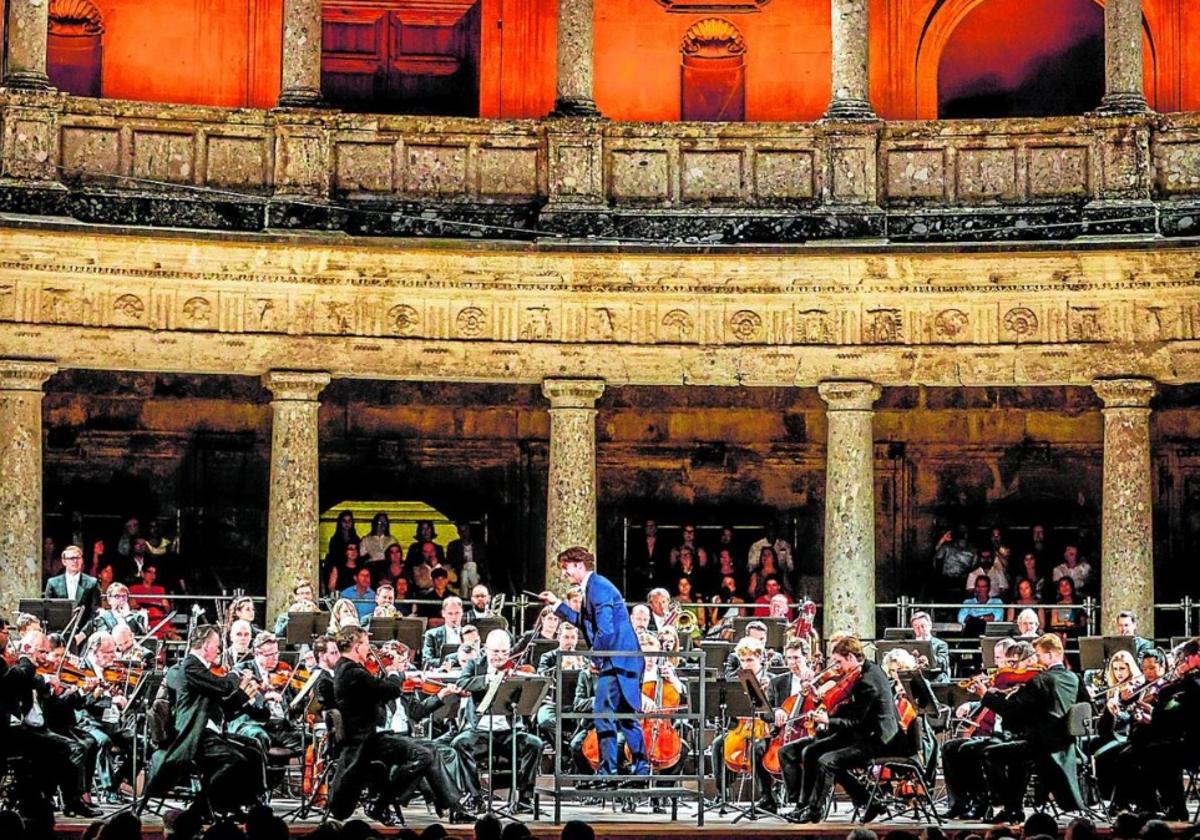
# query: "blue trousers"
[[609, 699]]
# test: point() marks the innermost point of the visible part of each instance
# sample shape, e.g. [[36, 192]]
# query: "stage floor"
[[610, 823]]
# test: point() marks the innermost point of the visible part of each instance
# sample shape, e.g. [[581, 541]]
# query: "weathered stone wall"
[[768, 182]]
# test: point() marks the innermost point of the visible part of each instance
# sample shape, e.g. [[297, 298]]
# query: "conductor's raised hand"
[[548, 597]]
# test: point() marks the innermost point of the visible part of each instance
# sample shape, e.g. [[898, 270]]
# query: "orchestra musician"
[[548, 664], [119, 613], [103, 712], [773, 659], [472, 742], [939, 663], [264, 719], [360, 698], [1171, 737], [1127, 626], [962, 758], [1116, 697], [1040, 707], [861, 727], [30, 685], [239, 645], [232, 772], [751, 658], [81, 589], [449, 632], [606, 626], [796, 683], [303, 601]]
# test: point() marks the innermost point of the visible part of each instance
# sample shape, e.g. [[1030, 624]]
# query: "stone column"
[[1124, 88], [1126, 523], [293, 515], [851, 97], [573, 96], [26, 29], [301, 79], [21, 481], [849, 508], [571, 488]]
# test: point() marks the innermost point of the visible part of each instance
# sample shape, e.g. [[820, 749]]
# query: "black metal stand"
[[518, 695]]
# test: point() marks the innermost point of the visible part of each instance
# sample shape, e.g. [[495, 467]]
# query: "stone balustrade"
[[1026, 178]]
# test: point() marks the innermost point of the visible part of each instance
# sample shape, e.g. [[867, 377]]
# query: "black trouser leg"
[[1006, 767], [791, 762]]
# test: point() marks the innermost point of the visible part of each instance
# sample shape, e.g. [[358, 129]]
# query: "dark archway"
[[73, 48], [1003, 61]]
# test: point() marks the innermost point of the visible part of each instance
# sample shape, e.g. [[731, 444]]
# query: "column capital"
[[1125, 392], [849, 395], [22, 375], [295, 385], [572, 393]]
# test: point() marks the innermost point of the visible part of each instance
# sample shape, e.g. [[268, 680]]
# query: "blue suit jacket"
[[605, 625]]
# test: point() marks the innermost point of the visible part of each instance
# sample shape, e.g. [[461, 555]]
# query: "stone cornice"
[[165, 302], [23, 375]]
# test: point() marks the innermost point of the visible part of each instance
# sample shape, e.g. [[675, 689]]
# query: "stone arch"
[[940, 23], [713, 72], [73, 46]]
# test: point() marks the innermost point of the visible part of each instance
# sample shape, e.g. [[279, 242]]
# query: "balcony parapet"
[[241, 169]]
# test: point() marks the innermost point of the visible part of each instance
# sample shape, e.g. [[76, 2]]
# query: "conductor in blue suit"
[[604, 621]]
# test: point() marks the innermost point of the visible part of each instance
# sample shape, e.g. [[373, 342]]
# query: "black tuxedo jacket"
[[869, 714], [87, 594]]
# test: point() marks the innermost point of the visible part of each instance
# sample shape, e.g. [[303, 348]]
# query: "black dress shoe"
[[1011, 817], [79, 808], [957, 811], [872, 812], [767, 803], [458, 817], [523, 806], [381, 814]]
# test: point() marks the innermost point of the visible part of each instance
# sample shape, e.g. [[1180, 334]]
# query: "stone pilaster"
[[25, 30], [851, 97], [293, 518], [849, 508], [300, 83], [1124, 88], [1127, 523], [571, 488], [573, 92], [21, 481]]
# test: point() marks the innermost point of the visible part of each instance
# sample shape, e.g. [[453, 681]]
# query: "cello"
[[663, 741]]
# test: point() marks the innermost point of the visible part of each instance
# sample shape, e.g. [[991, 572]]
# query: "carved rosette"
[[571, 493], [293, 515], [21, 480], [849, 508], [1127, 524]]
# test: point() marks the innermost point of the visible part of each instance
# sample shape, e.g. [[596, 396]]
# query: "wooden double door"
[[402, 56]]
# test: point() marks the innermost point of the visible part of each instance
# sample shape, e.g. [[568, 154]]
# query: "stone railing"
[[1029, 179]]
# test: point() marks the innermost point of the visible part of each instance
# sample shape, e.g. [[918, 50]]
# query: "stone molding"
[[1125, 393], [572, 393], [20, 375], [207, 304], [295, 385], [849, 396]]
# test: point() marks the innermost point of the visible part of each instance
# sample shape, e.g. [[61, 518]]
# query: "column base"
[[27, 80], [577, 108], [1120, 104], [850, 109], [301, 99]]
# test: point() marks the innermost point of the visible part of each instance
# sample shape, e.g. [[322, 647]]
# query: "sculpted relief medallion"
[[471, 322]]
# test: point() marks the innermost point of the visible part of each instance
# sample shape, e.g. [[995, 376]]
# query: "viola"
[[280, 678], [416, 685], [122, 675]]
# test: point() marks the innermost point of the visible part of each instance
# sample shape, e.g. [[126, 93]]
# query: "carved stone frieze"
[[782, 317]]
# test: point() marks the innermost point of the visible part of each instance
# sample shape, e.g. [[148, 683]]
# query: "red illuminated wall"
[[209, 52], [227, 52], [638, 59]]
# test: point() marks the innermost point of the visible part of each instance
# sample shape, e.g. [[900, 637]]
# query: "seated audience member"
[[344, 572], [417, 551], [995, 572], [467, 557], [373, 547], [150, 596], [1026, 596], [1065, 618], [953, 558], [981, 607], [1076, 568], [361, 594]]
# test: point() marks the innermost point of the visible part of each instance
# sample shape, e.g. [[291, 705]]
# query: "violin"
[[280, 678], [124, 675], [419, 685], [67, 674], [1003, 679]]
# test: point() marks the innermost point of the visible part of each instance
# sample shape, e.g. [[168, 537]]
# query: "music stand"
[[487, 624], [410, 633], [1000, 628], [382, 629], [1095, 651], [715, 654], [895, 634], [143, 693], [760, 707], [53, 613], [515, 696], [538, 647], [302, 627]]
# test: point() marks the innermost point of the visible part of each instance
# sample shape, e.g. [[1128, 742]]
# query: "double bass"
[[663, 741]]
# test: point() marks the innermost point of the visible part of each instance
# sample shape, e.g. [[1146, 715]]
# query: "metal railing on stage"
[[695, 714]]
